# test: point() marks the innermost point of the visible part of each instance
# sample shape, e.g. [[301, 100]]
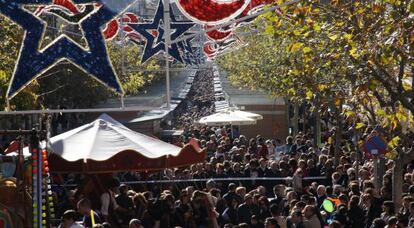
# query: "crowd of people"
[[244, 182], [199, 101], [288, 198]]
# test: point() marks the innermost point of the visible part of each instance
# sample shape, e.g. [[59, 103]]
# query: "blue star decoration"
[[191, 55], [33, 62], [185, 45], [155, 43]]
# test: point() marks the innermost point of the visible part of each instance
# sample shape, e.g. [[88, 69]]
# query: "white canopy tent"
[[104, 138], [250, 115], [105, 145], [226, 118]]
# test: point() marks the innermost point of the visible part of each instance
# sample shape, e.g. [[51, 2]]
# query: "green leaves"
[[359, 125], [295, 47], [306, 50], [309, 95], [394, 142]]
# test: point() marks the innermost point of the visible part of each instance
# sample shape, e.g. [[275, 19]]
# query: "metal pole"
[[356, 132], [376, 173], [167, 34], [39, 176], [97, 110]]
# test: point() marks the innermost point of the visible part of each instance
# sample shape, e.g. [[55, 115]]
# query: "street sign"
[[375, 146]]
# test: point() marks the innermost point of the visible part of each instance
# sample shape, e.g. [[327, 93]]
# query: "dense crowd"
[[249, 182], [291, 199], [244, 182], [199, 101]]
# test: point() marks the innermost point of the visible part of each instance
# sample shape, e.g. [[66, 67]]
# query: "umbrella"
[[105, 145], [226, 118]]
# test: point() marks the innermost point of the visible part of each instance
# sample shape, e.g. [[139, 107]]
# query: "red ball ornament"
[[46, 169], [45, 163]]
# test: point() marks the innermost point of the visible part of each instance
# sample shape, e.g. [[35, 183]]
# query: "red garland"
[[218, 34], [111, 29], [68, 4]]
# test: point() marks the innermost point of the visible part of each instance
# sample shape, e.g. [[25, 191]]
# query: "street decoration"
[[212, 12], [214, 48], [90, 16], [215, 12], [218, 34], [153, 33]]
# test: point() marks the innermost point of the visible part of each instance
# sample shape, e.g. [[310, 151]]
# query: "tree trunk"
[[317, 137], [397, 182], [338, 135], [379, 171], [288, 114], [397, 176], [296, 119]]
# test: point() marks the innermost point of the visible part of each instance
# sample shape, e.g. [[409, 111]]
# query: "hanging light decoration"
[[212, 12]]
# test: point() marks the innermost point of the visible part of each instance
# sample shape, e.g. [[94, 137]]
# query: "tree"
[[343, 52], [11, 37]]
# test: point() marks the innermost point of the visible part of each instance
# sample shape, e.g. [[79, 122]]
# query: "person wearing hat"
[[69, 220]]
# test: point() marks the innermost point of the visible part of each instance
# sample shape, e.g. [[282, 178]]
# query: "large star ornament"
[[33, 61], [155, 41]]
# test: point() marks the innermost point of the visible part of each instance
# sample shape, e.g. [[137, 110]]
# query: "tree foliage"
[[11, 37], [341, 52]]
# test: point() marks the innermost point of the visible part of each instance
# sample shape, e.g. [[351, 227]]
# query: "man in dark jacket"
[[374, 208], [246, 210], [231, 194]]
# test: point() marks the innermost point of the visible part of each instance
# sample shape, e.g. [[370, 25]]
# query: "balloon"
[[328, 206]]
